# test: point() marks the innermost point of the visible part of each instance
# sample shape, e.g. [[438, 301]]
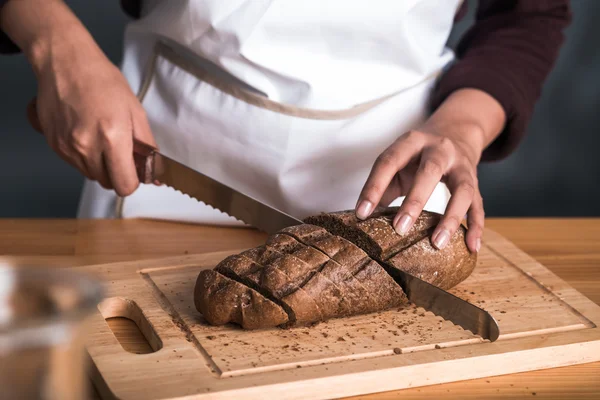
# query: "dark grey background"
[[555, 171]]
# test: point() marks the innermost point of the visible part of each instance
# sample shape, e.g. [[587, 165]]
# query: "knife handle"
[[143, 156]]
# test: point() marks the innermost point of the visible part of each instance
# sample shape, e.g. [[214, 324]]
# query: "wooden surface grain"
[[543, 323], [568, 247]]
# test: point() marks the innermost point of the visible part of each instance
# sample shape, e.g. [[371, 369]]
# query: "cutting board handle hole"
[[130, 326]]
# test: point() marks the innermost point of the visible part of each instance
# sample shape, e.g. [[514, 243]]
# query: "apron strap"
[[253, 97]]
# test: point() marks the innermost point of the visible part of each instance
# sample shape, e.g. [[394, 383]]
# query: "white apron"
[[288, 101]]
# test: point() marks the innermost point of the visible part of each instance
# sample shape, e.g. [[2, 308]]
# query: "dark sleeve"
[[6, 45], [508, 53], [132, 7]]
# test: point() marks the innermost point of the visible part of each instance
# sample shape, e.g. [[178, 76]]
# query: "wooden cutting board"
[[544, 323]]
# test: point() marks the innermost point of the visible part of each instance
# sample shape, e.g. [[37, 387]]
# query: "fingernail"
[[478, 245], [364, 209], [441, 239], [402, 225]]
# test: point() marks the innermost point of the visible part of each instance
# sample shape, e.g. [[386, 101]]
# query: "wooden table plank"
[[577, 382], [568, 247]]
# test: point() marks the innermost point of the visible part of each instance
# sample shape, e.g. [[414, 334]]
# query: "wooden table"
[[569, 247]]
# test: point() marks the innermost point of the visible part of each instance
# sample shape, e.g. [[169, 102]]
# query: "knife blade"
[[446, 305], [154, 167]]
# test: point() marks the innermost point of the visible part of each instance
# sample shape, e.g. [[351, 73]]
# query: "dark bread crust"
[[412, 252], [375, 235], [348, 269], [367, 287], [328, 268]]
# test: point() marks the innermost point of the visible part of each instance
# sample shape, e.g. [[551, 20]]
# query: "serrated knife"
[[154, 167]]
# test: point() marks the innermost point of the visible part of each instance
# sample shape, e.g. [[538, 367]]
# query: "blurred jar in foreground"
[[43, 331]]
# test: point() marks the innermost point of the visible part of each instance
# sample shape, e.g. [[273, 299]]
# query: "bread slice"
[[222, 300]]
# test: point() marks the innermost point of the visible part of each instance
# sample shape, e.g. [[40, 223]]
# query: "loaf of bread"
[[328, 267]]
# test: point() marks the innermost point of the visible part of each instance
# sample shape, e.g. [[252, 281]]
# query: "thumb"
[[32, 115]]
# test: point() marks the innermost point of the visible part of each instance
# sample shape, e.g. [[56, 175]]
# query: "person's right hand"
[[89, 116], [84, 106]]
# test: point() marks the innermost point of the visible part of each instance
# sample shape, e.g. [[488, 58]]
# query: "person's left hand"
[[447, 148]]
